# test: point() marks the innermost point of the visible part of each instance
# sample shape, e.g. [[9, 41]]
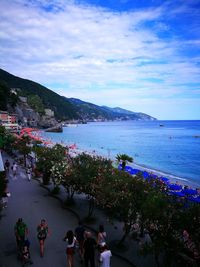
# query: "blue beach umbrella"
[[190, 191], [178, 194], [164, 179], [119, 166], [128, 168], [135, 171], [194, 199], [145, 174], [154, 176], [174, 187]]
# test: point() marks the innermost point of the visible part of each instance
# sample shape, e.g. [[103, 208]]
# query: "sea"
[[167, 148]]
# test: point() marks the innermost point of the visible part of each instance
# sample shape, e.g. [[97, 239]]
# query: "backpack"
[[42, 232]]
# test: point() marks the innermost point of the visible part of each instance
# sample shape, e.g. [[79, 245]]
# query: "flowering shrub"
[[58, 172]]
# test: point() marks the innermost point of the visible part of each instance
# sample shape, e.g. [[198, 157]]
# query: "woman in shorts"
[[42, 231], [71, 244]]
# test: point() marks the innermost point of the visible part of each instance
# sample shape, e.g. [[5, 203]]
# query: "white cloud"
[[92, 50]]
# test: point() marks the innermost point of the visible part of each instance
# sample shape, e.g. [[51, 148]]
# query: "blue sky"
[[141, 55]]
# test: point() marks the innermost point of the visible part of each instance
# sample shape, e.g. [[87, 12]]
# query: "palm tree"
[[123, 158]]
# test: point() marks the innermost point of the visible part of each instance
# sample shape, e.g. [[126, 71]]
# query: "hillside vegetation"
[[40, 97]]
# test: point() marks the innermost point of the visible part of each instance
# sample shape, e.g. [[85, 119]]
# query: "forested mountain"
[[85, 109], [64, 108]]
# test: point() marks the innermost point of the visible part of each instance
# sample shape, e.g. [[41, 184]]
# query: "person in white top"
[[105, 256], [14, 168], [71, 244], [29, 172], [101, 238]]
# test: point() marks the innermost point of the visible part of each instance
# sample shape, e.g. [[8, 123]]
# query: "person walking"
[[89, 249], [21, 232], [29, 172], [7, 166], [105, 256], [14, 169], [71, 244], [80, 237], [42, 232], [101, 237]]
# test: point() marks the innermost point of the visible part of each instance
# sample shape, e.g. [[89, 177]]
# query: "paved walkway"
[[32, 202]]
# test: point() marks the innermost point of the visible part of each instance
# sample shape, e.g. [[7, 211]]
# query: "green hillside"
[[63, 108], [40, 97]]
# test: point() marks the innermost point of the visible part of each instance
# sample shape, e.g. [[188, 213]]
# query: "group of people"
[[14, 168], [87, 244], [23, 244], [80, 239]]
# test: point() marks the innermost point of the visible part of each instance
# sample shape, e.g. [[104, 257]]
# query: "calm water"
[[173, 148]]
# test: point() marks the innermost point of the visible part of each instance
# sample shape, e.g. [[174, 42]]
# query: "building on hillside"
[[14, 90], [12, 118], [3, 117], [49, 112], [9, 121]]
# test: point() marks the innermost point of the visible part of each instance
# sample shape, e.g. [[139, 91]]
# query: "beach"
[[171, 151]]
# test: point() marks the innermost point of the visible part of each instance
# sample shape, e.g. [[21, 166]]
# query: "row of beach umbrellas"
[[173, 188]]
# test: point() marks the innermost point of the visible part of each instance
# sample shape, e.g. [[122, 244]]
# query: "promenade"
[[32, 202]]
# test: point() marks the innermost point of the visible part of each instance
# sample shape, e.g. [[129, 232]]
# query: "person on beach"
[[42, 232], [7, 166], [89, 250], [29, 172], [80, 236], [21, 232], [70, 250], [105, 256], [101, 237]]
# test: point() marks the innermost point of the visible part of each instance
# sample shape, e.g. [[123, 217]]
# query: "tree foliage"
[[36, 103], [7, 97], [47, 158], [126, 198], [22, 144], [7, 140], [123, 158]]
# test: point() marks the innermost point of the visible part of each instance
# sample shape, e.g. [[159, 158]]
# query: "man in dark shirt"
[[7, 166], [80, 237], [89, 249]]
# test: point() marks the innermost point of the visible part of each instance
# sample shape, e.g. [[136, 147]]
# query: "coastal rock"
[[56, 129]]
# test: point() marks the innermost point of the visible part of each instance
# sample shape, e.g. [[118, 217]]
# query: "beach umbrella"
[[194, 199], [145, 175], [178, 194], [135, 171], [119, 166], [128, 168], [190, 191], [174, 187], [164, 179]]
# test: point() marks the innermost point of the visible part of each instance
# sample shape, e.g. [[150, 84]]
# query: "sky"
[[141, 55]]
